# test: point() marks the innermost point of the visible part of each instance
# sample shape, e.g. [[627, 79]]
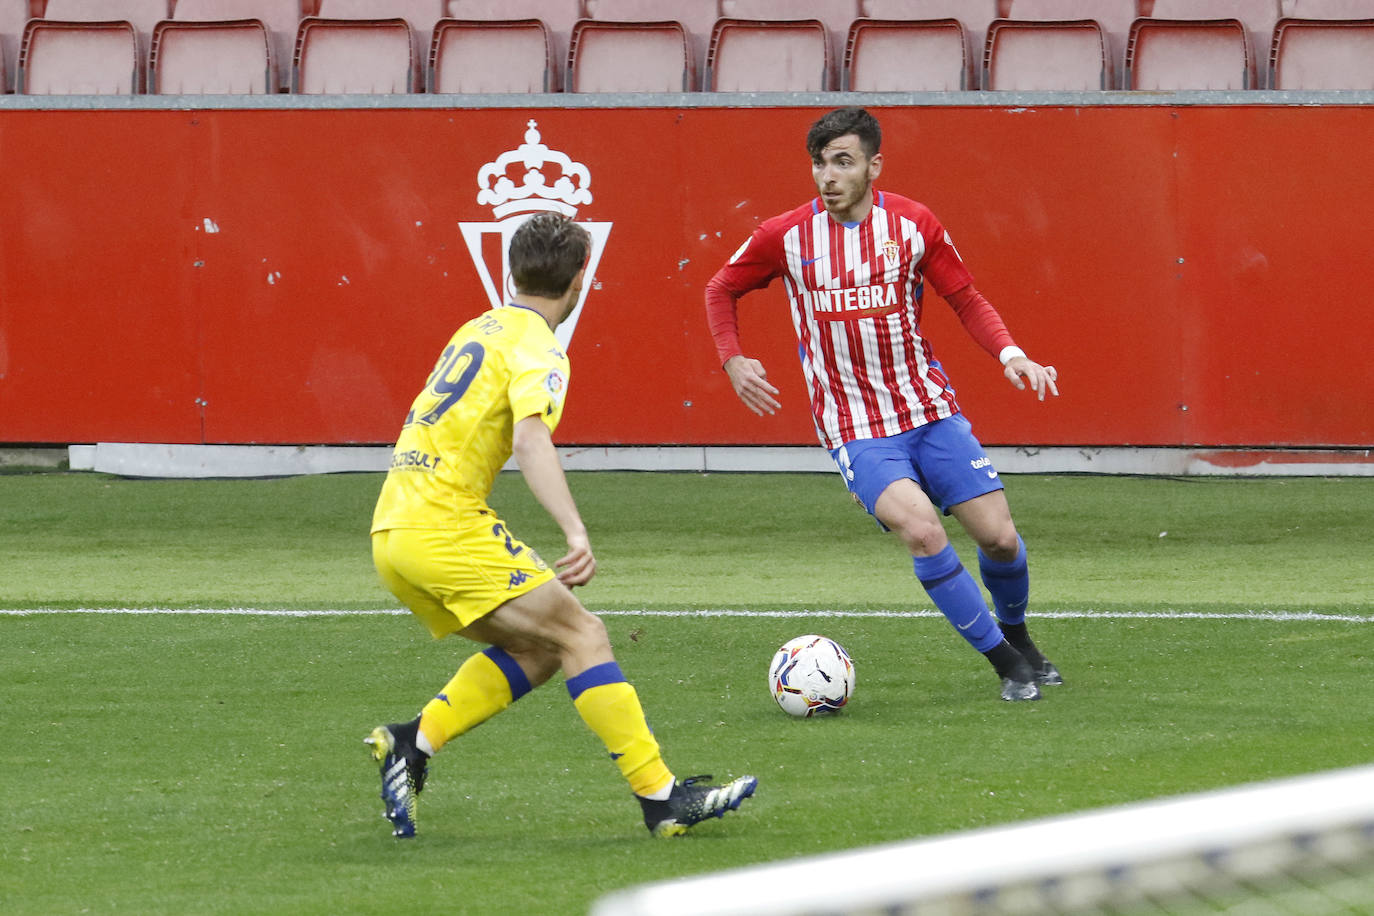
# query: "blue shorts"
[[943, 457]]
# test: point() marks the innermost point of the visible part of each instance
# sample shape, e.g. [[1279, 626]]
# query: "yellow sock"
[[486, 683], [610, 707]]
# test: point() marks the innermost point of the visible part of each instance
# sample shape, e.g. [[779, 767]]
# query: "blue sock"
[[1008, 583], [958, 598]]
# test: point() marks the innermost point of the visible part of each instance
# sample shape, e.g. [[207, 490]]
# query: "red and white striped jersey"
[[856, 293]]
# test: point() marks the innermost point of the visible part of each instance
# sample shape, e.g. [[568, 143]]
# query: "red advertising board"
[[290, 275]]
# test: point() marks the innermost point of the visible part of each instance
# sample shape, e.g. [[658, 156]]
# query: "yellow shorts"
[[449, 577]]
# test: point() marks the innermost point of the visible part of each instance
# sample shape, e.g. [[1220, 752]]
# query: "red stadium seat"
[[558, 15], [1328, 9], [1171, 54], [1317, 54], [768, 56], [281, 18], [13, 15], [420, 15], [143, 14], [221, 58], [696, 19], [973, 15], [491, 56], [1259, 16], [1256, 16], [1070, 55], [78, 58], [885, 55], [1113, 16], [367, 56], [837, 15], [629, 57]]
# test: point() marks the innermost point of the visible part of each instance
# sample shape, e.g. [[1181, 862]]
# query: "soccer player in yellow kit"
[[498, 389]]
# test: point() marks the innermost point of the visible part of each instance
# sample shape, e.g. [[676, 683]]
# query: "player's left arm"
[[945, 269], [985, 326], [533, 450]]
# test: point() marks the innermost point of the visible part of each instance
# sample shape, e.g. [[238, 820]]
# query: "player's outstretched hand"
[[1021, 371], [750, 381], [578, 565]]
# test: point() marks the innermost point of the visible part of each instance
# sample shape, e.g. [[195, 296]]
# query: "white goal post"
[[1312, 836]]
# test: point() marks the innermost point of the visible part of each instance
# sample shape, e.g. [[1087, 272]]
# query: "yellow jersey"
[[500, 367]]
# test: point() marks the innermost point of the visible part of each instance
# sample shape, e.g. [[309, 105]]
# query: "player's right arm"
[[752, 266], [533, 450]]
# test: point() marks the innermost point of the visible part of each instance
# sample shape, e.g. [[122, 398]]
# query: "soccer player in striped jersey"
[[854, 263], [498, 389]]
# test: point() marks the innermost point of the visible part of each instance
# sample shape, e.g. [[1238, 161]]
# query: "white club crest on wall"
[[511, 204]]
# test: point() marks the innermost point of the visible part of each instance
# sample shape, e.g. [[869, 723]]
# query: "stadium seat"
[[1113, 16], [78, 58], [768, 56], [629, 57], [1257, 18], [696, 19], [973, 15], [280, 17], [1172, 54], [491, 56], [558, 15], [887, 55], [1309, 54], [837, 15], [1328, 9], [143, 14], [420, 15], [368, 56], [1058, 55], [203, 58], [13, 15]]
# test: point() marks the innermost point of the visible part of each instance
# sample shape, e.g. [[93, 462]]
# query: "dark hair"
[[843, 121], [546, 252]]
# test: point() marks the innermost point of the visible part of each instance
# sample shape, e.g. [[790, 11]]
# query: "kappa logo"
[[518, 578], [517, 184]]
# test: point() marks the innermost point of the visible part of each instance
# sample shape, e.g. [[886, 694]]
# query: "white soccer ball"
[[810, 675]]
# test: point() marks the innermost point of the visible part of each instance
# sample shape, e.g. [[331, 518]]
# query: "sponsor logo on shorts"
[[985, 462]]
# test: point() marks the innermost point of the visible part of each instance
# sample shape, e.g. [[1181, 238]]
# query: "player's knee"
[[586, 629], [922, 537], [1002, 544]]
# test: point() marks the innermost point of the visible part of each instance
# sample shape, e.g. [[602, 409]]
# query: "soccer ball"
[[810, 675]]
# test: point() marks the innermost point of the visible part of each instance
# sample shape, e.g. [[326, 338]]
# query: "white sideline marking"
[[1283, 616]]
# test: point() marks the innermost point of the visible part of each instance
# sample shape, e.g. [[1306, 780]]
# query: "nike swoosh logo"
[[962, 627], [807, 262]]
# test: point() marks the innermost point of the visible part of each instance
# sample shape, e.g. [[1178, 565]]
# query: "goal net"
[[1295, 846]]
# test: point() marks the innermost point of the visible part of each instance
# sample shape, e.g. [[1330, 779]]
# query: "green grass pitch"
[[212, 763]]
